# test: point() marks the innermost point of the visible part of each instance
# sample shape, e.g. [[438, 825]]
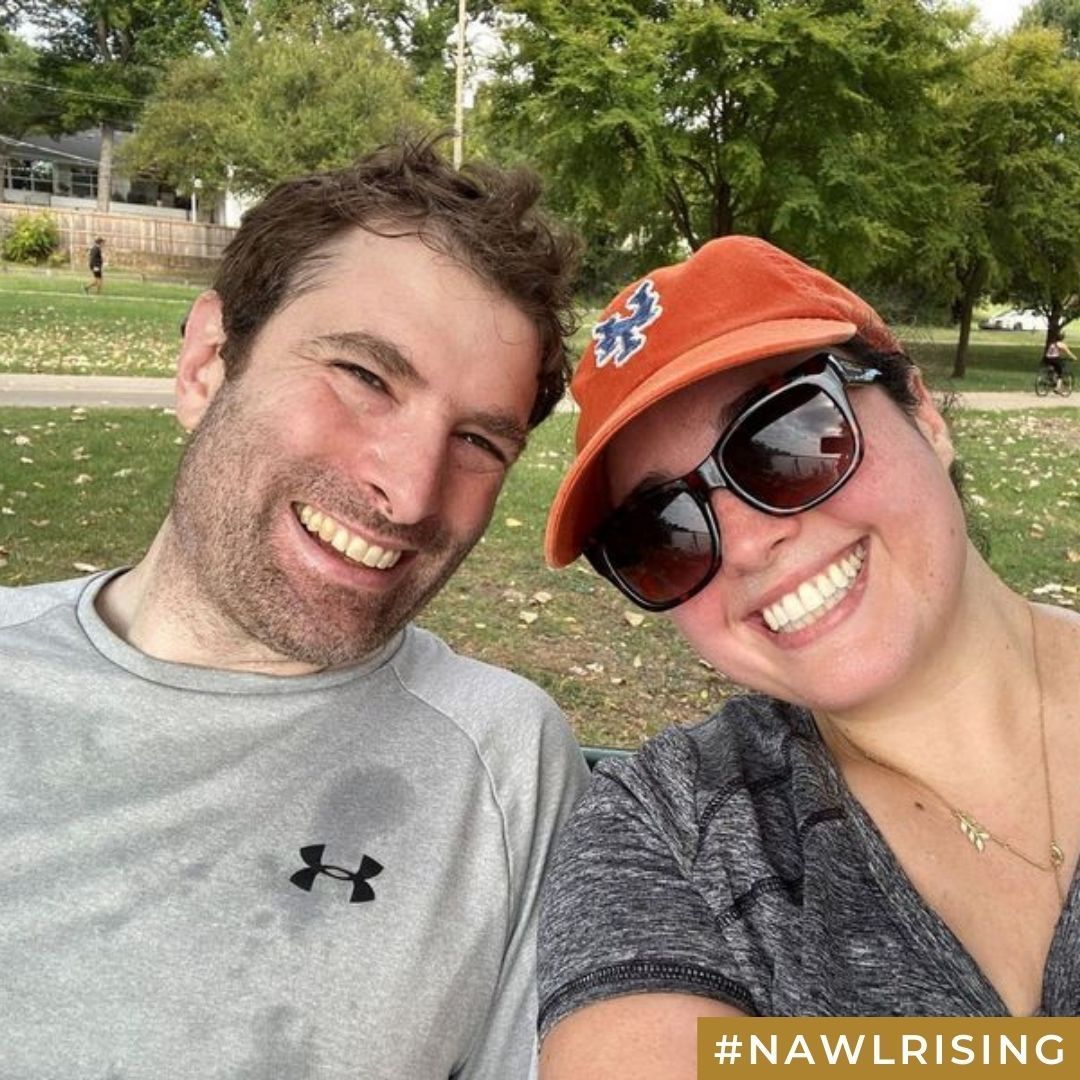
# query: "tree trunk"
[[971, 285], [104, 183], [1054, 321]]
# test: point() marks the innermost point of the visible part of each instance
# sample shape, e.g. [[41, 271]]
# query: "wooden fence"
[[131, 241]]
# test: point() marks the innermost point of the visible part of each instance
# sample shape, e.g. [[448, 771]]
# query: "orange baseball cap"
[[735, 300]]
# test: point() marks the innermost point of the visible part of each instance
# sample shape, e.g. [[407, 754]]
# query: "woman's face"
[[892, 543]]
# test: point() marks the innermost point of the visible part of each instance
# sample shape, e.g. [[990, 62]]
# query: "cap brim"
[[580, 503]]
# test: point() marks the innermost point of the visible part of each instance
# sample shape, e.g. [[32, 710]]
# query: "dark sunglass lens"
[[660, 545], [794, 449]]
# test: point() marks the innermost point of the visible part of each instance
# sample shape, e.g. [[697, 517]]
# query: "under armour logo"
[[618, 337], [312, 855]]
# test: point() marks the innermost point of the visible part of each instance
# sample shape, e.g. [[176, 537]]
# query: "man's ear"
[[929, 420], [200, 369]]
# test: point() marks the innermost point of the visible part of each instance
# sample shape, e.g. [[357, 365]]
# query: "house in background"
[[62, 173]]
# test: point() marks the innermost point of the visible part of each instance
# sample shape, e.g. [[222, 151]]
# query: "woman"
[[891, 825]]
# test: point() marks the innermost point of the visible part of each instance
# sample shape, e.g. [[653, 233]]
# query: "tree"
[[289, 94], [1062, 15], [21, 107], [1009, 150], [669, 122], [102, 58]]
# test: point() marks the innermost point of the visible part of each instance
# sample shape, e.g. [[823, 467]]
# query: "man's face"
[[331, 488]]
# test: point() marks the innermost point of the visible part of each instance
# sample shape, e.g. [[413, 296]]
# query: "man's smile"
[[353, 547]]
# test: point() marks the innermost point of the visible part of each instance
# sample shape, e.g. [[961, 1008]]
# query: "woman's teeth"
[[815, 596], [340, 539]]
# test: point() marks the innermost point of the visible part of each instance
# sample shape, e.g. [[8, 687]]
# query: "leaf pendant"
[[1057, 856], [976, 835]]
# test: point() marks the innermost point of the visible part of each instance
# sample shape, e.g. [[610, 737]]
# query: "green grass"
[[48, 325], [83, 489]]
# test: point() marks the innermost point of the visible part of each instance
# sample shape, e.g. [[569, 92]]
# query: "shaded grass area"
[[49, 325], [82, 489]]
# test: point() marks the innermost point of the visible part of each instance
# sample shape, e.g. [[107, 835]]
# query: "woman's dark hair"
[[484, 218]]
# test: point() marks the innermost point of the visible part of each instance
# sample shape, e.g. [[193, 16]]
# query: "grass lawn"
[[81, 489], [48, 325]]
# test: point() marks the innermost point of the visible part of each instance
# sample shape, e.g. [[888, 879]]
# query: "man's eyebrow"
[[370, 346], [502, 424], [394, 362]]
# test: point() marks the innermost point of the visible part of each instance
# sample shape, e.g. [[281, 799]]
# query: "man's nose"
[[749, 538], [406, 469]]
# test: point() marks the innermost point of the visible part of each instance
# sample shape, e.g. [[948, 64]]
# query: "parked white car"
[[1015, 319]]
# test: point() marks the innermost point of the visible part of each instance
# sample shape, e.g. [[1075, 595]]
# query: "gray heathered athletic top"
[[210, 874], [729, 860]]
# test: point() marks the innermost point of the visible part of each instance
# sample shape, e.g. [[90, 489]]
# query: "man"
[[254, 822], [97, 266]]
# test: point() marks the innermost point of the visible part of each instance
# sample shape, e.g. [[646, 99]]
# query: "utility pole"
[[459, 94]]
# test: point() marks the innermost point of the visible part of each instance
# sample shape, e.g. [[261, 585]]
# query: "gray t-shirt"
[[730, 860], [210, 874]]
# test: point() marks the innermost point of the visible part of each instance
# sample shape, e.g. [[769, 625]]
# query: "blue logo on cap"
[[618, 337]]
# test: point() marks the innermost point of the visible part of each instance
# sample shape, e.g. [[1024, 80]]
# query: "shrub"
[[31, 238]]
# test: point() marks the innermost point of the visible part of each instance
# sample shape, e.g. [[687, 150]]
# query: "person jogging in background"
[[96, 262]]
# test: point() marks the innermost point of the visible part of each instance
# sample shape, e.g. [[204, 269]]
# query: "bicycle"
[[1046, 381]]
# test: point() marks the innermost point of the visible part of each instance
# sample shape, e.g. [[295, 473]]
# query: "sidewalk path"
[[123, 391], [90, 391]]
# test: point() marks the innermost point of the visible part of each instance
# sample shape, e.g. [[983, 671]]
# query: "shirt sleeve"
[[620, 912], [554, 776]]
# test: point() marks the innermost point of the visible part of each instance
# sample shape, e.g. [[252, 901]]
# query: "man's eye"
[[484, 444], [363, 375]]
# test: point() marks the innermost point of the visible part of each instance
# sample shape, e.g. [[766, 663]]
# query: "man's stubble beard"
[[224, 505]]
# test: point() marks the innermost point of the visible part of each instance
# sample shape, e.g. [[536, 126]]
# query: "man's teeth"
[[815, 596], [352, 547]]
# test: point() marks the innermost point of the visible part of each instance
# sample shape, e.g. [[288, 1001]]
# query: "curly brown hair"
[[485, 218]]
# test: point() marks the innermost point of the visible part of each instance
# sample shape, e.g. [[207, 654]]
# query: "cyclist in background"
[[1053, 358]]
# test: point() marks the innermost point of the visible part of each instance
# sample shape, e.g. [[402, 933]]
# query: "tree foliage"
[[1009, 155], [289, 94], [1061, 15], [670, 122]]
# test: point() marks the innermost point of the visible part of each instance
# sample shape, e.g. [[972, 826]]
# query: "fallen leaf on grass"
[[513, 523], [513, 596], [594, 667], [1072, 556], [634, 618], [86, 568], [528, 617], [82, 478], [541, 597]]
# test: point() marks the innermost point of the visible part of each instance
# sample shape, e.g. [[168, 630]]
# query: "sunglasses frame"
[[831, 374]]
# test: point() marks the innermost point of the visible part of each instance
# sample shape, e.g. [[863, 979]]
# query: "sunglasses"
[[794, 445]]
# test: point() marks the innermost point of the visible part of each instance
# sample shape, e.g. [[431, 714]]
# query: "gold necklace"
[[975, 833]]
